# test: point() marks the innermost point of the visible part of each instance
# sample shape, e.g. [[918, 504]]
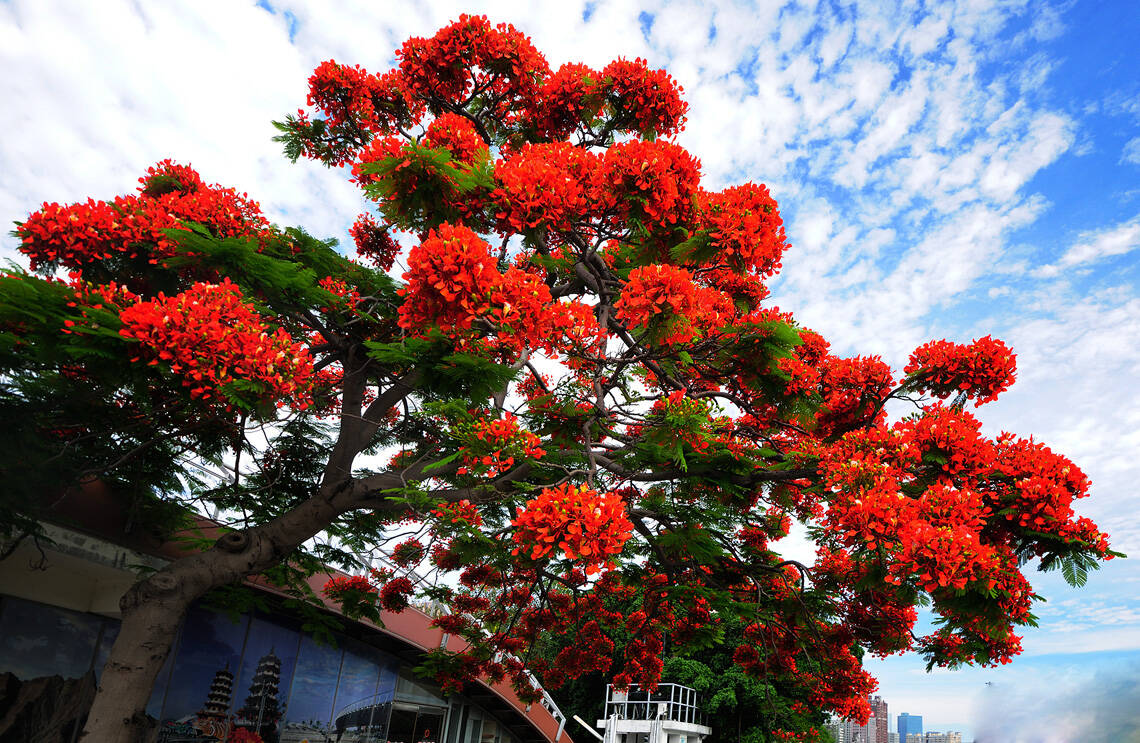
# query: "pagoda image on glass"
[[218, 700], [212, 719], [262, 711]]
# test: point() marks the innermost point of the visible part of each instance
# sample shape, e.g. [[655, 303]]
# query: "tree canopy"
[[574, 397]]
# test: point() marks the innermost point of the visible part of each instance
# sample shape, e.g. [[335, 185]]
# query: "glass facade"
[[908, 724], [258, 673]]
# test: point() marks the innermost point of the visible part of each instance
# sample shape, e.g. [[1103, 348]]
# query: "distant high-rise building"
[[881, 722], [840, 730], [862, 733], [907, 724], [892, 737], [947, 737]]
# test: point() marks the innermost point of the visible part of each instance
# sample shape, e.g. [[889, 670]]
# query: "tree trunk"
[[150, 622], [153, 607]]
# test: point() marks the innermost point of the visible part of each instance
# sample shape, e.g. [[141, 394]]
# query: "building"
[[881, 719], [908, 724], [668, 715], [947, 737], [893, 737], [846, 731], [838, 729], [59, 617]]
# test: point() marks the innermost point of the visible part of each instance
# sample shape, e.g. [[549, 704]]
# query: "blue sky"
[[944, 169]]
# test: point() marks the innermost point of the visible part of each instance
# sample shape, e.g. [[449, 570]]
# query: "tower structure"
[[879, 710], [670, 714], [217, 704], [261, 710], [909, 725]]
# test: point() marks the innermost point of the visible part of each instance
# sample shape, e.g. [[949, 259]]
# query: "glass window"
[[490, 732], [402, 728], [429, 723], [262, 684], [409, 688], [474, 725], [199, 697], [357, 707], [457, 720], [308, 715], [38, 641], [47, 682]]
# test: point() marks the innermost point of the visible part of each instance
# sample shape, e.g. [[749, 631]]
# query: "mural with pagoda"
[[260, 713]]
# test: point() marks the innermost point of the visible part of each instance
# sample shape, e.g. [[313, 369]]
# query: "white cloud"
[[1131, 151], [1096, 245]]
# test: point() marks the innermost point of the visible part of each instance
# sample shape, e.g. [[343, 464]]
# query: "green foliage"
[[440, 185], [446, 373]]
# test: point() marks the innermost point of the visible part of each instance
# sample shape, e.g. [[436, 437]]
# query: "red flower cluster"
[[77, 235], [981, 370], [453, 283], [350, 96], [495, 444], [581, 522], [460, 513], [543, 185], [853, 391], [1045, 484], [218, 344], [341, 92], [395, 595], [338, 587], [408, 552], [457, 135], [498, 62], [374, 242], [652, 182], [671, 306], [242, 735], [593, 653], [90, 296], [744, 223], [568, 97], [651, 99]]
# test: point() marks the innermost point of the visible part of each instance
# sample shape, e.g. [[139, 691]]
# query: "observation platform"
[[671, 714]]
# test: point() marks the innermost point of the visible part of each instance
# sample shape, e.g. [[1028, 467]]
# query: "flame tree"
[[575, 399]]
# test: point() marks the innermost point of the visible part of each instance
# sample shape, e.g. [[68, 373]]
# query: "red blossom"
[[395, 594], [653, 182], [134, 227], [472, 55], [581, 522], [374, 242], [671, 306], [745, 226], [457, 135], [649, 100], [569, 97], [543, 185], [218, 344], [981, 370]]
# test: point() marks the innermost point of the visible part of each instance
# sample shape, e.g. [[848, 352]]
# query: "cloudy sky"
[[945, 170]]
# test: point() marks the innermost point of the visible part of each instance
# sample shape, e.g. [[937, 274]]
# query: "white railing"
[[670, 702]]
